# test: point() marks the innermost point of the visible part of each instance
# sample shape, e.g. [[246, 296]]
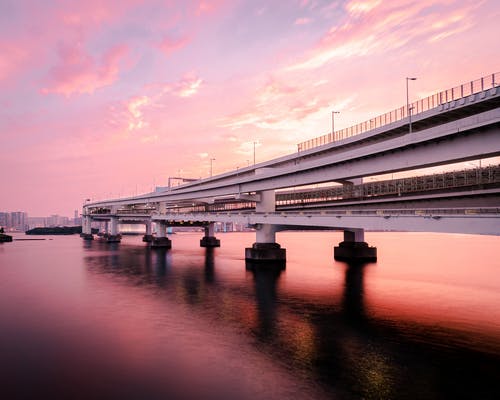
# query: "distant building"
[[14, 221]]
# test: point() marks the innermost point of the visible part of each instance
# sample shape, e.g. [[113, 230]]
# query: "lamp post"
[[211, 165], [333, 124], [408, 102]]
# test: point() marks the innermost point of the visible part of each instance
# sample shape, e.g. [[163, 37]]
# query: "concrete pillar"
[[113, 236], [354, 248], [87, 228], [161, 240], [148, 237], [209, 240], [265, 249]]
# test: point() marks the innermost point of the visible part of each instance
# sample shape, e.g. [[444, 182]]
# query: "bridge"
[[457, 125]]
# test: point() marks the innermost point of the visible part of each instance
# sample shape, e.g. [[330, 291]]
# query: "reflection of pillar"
[[265, 280], [87, 228], [209, 240], [352, 302], [265, 248], [209, 265], [354, 248], [113, 235], [148, 237], [161, 239]]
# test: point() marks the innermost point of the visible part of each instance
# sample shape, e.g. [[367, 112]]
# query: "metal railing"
[[419, 106], [395, 187]]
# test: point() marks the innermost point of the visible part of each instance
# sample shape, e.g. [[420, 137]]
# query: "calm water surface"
[[89, 320]]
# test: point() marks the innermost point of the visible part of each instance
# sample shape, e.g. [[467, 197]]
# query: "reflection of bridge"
[[461, 126]]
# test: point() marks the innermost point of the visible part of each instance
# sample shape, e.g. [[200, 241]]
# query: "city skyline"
[[107, 100]]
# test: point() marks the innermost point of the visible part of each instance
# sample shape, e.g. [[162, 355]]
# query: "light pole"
[[211, 165], [408, 102], [254, 143], [333, 124]]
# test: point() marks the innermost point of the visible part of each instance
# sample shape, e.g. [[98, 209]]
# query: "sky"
[[108, 98]]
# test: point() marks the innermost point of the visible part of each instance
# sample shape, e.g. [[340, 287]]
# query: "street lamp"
[[408, 110], [211, 166], [333, 124]]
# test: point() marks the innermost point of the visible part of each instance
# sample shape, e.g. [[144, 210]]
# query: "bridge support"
[[148, 237], [113, 235], [87, 228], [209, 240], [161, 240], [354, 248], [265, 249]]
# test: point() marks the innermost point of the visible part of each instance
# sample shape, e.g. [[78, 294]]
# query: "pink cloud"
[[302, 21], [79, 72], [374, 26], [208, 6], [12, 57], [187, 86], [169, 45]]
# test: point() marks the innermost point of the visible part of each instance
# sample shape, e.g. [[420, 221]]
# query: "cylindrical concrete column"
[[354, 235], [354, 248], [209, 240], [267, 202], [266, 233], [87, 228], [113, 226], [265, 249], [113, 234], [161, 240], [148, 236], [87, 223], [161, 229]]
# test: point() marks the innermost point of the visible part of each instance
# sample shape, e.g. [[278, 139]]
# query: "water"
[[88, 320]]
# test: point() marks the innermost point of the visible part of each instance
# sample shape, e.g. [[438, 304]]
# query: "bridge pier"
[[209, 240], [113, 236], [265, 249], [148, 237], [161, 240], [354, 248], [87, 228]]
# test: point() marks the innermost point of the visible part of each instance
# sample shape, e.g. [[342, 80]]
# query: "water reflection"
[[266, 280], [332, 341], [352, 301]]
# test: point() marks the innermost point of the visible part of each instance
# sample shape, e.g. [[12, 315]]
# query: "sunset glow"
[[104, 99]]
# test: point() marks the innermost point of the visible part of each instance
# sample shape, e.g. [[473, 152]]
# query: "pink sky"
[[103, 98]]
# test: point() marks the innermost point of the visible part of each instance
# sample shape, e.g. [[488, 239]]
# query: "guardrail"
[[419, 106]]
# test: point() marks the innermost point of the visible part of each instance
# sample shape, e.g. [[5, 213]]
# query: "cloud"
[[302, 21], [136, 119], [13, 56], [373, 26], [278, 105], [78, 72], [187, 86], [168, 45]]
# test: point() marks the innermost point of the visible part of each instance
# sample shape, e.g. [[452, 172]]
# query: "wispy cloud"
[[372, 26], [79, 72]]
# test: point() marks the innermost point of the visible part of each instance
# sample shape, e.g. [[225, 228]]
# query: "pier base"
[[265, 252], [355, 251], [209, 241], [87, 236], [113, 238], [147, 238], [161, 242]]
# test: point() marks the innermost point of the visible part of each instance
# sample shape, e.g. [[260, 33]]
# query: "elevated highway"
[[446, 128]]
